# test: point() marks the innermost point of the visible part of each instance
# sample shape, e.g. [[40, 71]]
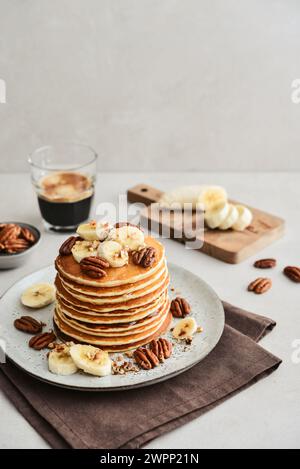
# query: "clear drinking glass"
[[63, 176]]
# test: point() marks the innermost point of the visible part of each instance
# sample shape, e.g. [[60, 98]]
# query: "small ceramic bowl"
[[11, 261]]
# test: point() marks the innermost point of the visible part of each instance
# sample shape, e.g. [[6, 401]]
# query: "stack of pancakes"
[[127, 308]]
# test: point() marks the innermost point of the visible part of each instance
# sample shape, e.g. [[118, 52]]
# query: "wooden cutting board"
[[228, 246]]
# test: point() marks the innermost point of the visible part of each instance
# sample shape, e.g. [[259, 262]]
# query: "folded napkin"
[[130, 419]]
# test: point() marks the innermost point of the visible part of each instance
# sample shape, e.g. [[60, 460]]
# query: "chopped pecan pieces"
[[40, 341], [94, 266], [265, 263], [260, 285], [293, 273], [144, 257], [180, 308], [66, 247], [146, 358], [162, 348], [28, 324]]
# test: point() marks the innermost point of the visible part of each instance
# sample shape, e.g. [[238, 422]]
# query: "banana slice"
[[214, 218], [91, 359], [88, 231], [212, 196], [231, 218], [181, 195], [185, 328], [38, 295], [103, 228], [113, 252], [82, 249], [60, 361], [244, 219], [130, 237]]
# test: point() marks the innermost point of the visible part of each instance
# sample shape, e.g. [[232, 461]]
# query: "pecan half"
[[162, 348], [66, 247], [265, 263], [27, 235], [28, 324], [94, 266], [146, 358], [180, 308], [293, 273], [144, 257], [260, 285], [16, 245], [40, 341], [9, 233]]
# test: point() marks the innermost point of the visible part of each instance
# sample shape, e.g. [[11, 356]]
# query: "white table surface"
[[266, 414]]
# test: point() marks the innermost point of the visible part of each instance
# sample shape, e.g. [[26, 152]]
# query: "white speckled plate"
[[207, 309]]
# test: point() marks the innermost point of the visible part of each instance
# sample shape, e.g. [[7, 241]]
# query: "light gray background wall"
[[153, 84]]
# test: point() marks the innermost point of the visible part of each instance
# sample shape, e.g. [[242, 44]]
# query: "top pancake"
[[131, 273]]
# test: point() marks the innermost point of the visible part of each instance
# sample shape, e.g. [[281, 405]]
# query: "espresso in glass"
[[64, 195]]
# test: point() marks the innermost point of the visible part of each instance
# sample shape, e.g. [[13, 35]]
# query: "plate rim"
[[127, 387]]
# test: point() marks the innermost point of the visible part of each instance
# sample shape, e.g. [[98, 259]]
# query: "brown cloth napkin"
[[130, 419]]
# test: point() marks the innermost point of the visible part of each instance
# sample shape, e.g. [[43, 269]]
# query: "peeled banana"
[[91, 359], [60, 361], [231, 218], [38, 295], [213, 218], [244, 219], [212, 196]]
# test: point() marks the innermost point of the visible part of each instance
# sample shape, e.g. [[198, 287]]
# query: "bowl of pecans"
[[17, 242]]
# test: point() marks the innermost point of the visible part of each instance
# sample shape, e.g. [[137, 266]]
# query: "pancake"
[[126, 308]]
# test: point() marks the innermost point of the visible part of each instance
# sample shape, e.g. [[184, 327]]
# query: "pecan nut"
[[265, 263], [40, 341], [162, 348], [145, 358], [27, 235], [260, 285], [94, 266], [144, 257], [293, 273], [28, 324], [180, 308], [16, 245], [66, 247], [9, 233]]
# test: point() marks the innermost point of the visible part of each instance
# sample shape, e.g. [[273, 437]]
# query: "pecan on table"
[[40, 341], [94, 266], [145, 358], [180, 308], [28, 324], [293, 273], [66, 247], [144, 257], [260, 285], [265, 263], [162, 348]]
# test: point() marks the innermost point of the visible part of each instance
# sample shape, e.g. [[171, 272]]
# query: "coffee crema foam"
[[65, 187]]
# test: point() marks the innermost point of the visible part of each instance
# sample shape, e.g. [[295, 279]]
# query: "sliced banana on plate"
[[212, 196], [60, 361], [38, 295], [244, 219], [113, 252], [231, 218], [130, 237], [82, 249], [213, 218], [185, 328], [91, 359]]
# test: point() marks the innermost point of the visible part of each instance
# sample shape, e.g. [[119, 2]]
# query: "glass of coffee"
[[64, 178]]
